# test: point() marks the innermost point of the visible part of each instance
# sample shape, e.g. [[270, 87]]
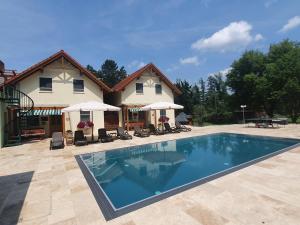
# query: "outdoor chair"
[[79, 138], [122, 134], [154, 130], [103, 136], [140, 132], [182, 127], [57, 141], [170, 129]]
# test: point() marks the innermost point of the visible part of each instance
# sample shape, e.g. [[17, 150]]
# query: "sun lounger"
[[122, 134], [170, 129], [140, 132], [79, 138], [103, 136], [154, 130], [57, 141], [182, 127]]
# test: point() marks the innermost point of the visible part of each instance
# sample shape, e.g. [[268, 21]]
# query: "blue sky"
[[186, 39]]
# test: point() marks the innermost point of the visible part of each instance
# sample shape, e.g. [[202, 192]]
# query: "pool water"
[[130, 175]]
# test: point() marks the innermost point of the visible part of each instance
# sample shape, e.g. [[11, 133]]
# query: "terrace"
[[39, 186]]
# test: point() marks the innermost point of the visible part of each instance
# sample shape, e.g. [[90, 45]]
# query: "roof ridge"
[[30, 70], [123, 83]]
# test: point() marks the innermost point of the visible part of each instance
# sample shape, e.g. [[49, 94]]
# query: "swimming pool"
[[125, 179]]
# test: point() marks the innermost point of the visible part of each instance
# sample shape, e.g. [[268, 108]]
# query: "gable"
[[150, 68], [60, 59]]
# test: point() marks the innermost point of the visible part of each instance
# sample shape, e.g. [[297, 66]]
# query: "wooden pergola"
[[125, 115]]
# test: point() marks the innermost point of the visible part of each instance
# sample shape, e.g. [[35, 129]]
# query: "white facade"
[[62, 94], [129, 96]]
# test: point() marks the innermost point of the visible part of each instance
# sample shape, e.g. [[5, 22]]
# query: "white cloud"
[[135, 64], [172, 68], [232, 37], [223, 72], [269, 3], [291, 24], [258, 37], [190, 60]]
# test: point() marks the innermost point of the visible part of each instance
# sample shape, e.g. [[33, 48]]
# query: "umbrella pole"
[[93, 126]]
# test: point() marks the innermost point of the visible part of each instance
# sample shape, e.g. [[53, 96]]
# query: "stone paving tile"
[[264, 193]]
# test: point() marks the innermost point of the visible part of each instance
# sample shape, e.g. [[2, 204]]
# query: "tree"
[[185, 98], [243, 77], [283, 73], [92, 70], [109, 73]]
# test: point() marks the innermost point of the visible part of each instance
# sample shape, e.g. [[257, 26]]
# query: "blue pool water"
[[129, 175]]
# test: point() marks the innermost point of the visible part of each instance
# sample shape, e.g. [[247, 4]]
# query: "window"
[[78, 85], [158, 88], [45, 84], [163, 112], [85, 116], [33, 121], [136, 116], [139, 88]]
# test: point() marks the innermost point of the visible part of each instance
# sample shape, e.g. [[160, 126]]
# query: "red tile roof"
[[123, 83], [29, 71]]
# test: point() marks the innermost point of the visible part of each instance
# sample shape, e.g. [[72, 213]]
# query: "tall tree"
[[185, 98], [109, 72], [283, 74]]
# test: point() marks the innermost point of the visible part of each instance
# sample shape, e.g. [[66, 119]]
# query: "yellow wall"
[[62, 94], [130, 97]]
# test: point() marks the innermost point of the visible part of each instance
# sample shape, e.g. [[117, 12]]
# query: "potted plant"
[[162, 120], [85, 126]]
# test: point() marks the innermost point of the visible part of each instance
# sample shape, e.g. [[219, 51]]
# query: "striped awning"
[[46, 112], [134, 109]]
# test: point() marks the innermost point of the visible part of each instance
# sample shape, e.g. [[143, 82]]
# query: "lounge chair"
[[103, 136], [57, 141], [122, 134], [140, 132], [79, 138], [182, 127], [154, 130], [170, 129]]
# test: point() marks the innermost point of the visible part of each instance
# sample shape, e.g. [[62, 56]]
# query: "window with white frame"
[[85, 116], [158, 88], [45, 84], [163, 112], [78, 85], [139, 88]]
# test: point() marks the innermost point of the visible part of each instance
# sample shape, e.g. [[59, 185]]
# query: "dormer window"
[[158, 89], [139, 88]]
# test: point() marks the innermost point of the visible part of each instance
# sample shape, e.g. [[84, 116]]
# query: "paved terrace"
[[38, 186]]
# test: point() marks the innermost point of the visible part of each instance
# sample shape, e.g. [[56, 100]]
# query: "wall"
[[1, 124], [130, 97], [62, 94]]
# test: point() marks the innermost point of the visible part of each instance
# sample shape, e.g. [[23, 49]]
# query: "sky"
[[186, 39]]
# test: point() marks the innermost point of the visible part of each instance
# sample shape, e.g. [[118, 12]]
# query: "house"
[[43, 90], [31, 101], [145, 86]]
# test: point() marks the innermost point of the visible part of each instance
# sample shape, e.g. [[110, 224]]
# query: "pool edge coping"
[[110, 212]]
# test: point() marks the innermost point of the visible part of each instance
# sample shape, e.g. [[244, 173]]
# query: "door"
[[55, 124]]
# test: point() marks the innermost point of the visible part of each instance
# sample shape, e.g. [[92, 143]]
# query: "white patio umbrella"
[[91, 106], [161, 105]]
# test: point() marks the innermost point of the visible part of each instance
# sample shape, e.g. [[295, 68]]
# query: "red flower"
[[89, 124], [81, 125], [85, 124], [163, 119]]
